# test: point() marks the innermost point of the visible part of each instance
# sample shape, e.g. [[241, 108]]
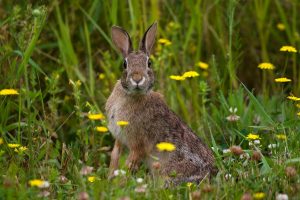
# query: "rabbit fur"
[[150, 120]]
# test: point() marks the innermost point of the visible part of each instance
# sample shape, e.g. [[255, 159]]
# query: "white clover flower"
[[272, 146], [282, 197], [256, 141], [139, 180], [226, 151]]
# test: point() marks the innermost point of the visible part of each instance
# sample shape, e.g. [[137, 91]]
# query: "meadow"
[[58, 66]]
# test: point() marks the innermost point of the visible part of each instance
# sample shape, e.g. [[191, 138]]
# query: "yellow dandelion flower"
[[101, 76], [1, 140], [38, 183], [281, 136], [122, 123], [293, 98], [8, 92], [95, 116], [177, 78], [266, 65], [259, 195], [253, 136], [21, 149], [190, 74], [298, 114], [164, 41], [165, 146], [91, 179], [189, 184], [280, 26], [202, 65], [11, 145], [101, 129], [288, 49], [282, 80]]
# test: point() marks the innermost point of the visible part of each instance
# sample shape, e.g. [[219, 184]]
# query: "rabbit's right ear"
[[121, 39]]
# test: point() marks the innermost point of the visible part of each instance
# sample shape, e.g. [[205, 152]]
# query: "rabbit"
[[150, 120]]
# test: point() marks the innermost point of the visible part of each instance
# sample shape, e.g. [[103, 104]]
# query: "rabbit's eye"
[[149, 63], [125, 64]]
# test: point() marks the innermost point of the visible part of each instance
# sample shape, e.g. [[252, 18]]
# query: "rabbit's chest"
[[120, 111]]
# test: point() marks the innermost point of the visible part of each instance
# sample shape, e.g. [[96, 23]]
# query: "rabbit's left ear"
[[148, 39]]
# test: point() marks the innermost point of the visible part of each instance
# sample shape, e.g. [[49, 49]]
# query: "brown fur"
[[151, 122]]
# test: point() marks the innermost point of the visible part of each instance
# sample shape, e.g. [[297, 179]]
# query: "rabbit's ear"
[[148, 39], [121, 39]]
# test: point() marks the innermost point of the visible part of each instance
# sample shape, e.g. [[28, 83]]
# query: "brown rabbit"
[[150, 119]]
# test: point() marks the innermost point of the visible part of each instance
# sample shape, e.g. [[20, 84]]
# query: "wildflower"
[[266, 65], [119, 172], [280, 26], [11, 145], [21, 149], [246, 196], [164, 41], [259, 195], [233, 117], [156, 165], [101, 76], [91, 179], [282, 80], [202, 65], [252, 136], [281, 137], [1, 141], [227, 176], [293, 98], [63, 179], [101, 129], [139, 180], [83, 196], [256, 141], [39, 183], [298, 113], [272, 146], [256, 155], [189, 184], [85, 170], [8, 92], [290, 171], [165, 146], [190, 74], [141, 189], [122, 123], [236, 150], [177, 78], [288, 49], [282, 197], [225, 151], [95, 116]]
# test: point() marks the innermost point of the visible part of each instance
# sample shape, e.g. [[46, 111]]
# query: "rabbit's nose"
[[137, 80]]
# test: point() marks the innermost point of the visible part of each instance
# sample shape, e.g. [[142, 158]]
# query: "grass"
[[59, 56]]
